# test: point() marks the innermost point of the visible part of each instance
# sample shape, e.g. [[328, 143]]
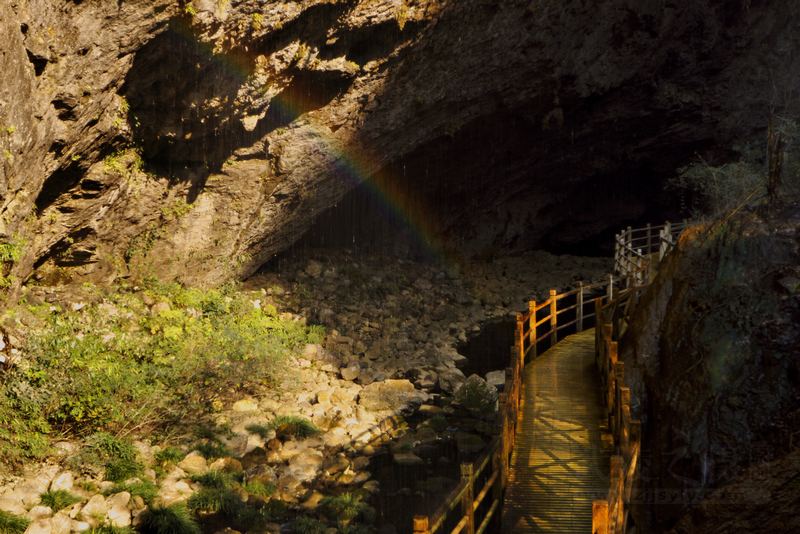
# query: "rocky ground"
[[381, 393]]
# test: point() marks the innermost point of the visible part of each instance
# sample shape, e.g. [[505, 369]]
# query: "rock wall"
[[712, 352], [194, 140]]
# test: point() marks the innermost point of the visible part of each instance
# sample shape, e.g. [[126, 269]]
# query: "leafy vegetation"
[[477, 396], [174, 519], [59, 499], [286, 426], [346, 508], [308, 525], [116, 366], [117, 457], [12, 524]]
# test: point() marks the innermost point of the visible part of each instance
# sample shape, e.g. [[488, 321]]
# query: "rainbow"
[[350, 162]]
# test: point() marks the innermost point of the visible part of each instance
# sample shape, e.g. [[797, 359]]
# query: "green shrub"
[[212, 449], [117, 456], [169, 455], [263, 431], [59, 499], [173, 519], [260, 489], [214, 500], [215, 479], [293, 426], [346, 508], [90, 370], [308, 525], [12, 524], [477, 396]]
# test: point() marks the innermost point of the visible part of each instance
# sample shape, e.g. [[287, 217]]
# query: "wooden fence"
[[477, 500], [610, 516], [466, 508], [637, 251]]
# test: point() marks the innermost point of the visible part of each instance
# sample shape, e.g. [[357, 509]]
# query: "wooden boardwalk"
[[561, 460]]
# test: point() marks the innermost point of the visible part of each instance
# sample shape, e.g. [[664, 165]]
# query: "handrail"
[[533, 328]]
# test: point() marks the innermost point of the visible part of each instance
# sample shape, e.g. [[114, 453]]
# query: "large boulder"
[[391, 395]]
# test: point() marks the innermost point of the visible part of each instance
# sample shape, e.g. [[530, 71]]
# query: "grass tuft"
[[173, 519], [12, 524], [293, 426], [59, 499]]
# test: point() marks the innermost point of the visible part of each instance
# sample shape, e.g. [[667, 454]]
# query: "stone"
[[38, 512], [390, 395], [407, 458], [313, 500], [450, 380], [40, 526], [245, 405], [230, 465], [350, 373], [305, 467], [12, 505], [194, 464], [60, 524], [173, 491], [496, 379], [94, 511], [63, 481], [79, 526], [314, 269], [118, 513]]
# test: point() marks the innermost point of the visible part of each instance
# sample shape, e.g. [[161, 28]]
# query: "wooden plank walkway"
[[561, 460]]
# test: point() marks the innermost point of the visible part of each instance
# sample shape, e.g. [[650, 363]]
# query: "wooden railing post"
[[532, 310], [579, 312], [421, 524], [600, 517], [610, 291], [520, 338], [467, 499], [553, 318]]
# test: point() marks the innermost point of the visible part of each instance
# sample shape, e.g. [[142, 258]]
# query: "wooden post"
[[616, 510], [579, 312], [421, 524], [498, 467], [468, 498], [553, 318], [610, 287], [599, 517], [520, 339], [532, 310]]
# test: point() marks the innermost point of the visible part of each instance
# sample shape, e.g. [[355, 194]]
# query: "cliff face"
[[713, 354], [196, 140]]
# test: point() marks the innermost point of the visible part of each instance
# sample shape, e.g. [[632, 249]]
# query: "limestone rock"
[[119, 515], [390, 395], [245, 405], [194, 464], [63, 481], [94, 511]]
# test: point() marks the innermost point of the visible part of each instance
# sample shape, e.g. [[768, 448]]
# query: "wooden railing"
[[638, 250], [466, 508], [477, 499], [610, 516]]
